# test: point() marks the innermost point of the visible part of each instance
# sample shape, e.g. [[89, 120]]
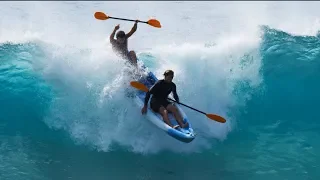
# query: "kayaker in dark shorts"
[[159, 103], [120, 45]]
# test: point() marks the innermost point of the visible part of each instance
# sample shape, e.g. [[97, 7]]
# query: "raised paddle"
[[215, 117], [103, 16]]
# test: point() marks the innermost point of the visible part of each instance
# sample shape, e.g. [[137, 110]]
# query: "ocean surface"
[[64, 112]]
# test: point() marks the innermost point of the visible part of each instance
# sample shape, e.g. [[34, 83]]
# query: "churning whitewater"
[[65, 112]]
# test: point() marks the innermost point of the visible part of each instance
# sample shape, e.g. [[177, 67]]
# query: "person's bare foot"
[[185, 125], [175, 127]]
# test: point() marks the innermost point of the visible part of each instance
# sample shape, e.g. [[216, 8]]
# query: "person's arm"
[[146, 100], [113, 34], [174, 91], [151, 91], [133, 29]]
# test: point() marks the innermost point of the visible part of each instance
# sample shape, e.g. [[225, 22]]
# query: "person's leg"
[[175, 111], [158, 108], [133, 57], [164, 114]]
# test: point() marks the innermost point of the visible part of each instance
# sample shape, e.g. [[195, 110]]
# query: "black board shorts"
[[155, 104]]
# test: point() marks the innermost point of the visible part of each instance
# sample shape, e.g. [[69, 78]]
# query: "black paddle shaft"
[[187, 106], [127, 19]]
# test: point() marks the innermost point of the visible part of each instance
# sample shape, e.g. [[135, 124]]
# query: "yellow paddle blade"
[[100, 16], [139, 86], [216, 118], [154, 23]]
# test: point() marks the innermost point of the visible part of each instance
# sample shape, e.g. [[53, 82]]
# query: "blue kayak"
[[182, 134]]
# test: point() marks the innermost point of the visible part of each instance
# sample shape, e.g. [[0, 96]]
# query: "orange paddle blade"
[[154, 23], [100, 16], [139, 86], [216, 118]]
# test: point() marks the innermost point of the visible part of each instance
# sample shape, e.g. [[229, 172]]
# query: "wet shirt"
[[160, 91]]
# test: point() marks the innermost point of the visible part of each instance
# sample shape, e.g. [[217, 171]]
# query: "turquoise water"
[[65, 113]]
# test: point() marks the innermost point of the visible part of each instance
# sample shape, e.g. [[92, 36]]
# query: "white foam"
[[203, 42]]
